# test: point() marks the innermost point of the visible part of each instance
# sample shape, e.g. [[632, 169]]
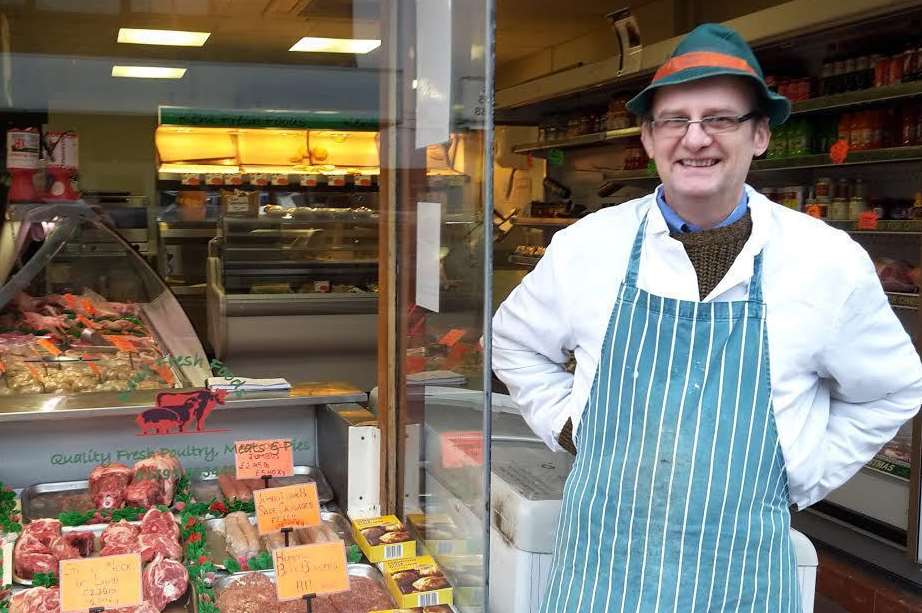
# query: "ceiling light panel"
[[148, 72], [174, 38], [311, 44]]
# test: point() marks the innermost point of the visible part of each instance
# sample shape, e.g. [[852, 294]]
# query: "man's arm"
[[875, 381], [531, 332]]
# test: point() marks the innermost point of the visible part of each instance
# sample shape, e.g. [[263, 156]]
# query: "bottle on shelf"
[[907, 134]]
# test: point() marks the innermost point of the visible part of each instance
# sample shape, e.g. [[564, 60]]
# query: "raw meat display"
[[108, 484], [152, 545], [256, 592], [45, 350], [37, 600], [164, 581], [898, 275], [144, 607], [144, 494], [160, 522], [84, 542], [119, 534], [40, 547], [162, 469]]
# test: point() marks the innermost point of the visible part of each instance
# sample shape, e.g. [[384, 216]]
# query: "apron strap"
[[755, 284], [633, 265]]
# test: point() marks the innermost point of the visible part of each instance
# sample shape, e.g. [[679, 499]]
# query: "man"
[[734, 357]]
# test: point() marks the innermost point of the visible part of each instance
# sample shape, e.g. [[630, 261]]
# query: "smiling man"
[[734, 358]]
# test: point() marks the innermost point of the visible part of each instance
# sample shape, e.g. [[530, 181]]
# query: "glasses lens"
[[716, 125], [672, 126]]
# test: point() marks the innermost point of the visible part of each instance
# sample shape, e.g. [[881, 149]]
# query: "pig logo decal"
[[180, 412]]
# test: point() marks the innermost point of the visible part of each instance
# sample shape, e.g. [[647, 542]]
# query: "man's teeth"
[[698, 163]]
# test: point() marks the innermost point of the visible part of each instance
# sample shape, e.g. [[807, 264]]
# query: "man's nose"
[[696, 138]]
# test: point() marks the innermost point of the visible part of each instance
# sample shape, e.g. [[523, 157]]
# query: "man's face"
[[699, 166]]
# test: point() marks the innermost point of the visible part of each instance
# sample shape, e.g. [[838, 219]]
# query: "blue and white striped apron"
[[678, 497]]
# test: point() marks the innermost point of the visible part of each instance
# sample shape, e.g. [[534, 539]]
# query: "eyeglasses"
[[676, 127]]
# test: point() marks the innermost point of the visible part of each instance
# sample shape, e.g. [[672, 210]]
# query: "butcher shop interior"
[[249, 254]]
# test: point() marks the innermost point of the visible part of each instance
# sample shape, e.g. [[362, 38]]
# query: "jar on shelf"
[[856, 206], [838, 209]]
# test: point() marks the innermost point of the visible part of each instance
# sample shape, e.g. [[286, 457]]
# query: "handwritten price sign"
[[111, 582], [293, 506], [264, 458], [310, 569]]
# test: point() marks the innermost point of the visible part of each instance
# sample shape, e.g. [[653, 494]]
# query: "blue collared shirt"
[[677, 224]]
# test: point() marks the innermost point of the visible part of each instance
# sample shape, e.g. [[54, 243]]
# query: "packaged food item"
[[417, 582], [856, 206], [822, 189], [383, 538], [838, 209], [438, 533], [191, 205], [239, 203], [439, 608]]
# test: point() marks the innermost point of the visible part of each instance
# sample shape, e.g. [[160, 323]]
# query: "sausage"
[[235, 541], [275, 541], [228, 488], [249, 532]]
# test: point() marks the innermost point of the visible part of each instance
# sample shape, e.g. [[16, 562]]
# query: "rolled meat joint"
[[164, 581], [235, 542], [234, 488], [36, 600], [316, 534], [108, 484], [275, 541]]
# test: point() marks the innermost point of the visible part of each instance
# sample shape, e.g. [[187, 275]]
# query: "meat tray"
[[355, 570], [49, 499], [216, 546], [96, 529], [204, 484]]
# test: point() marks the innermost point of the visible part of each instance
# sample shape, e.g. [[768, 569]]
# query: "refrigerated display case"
[[295, 293], [826, 63]]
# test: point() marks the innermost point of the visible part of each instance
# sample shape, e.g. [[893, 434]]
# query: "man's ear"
[[646, 137], [762, 135]]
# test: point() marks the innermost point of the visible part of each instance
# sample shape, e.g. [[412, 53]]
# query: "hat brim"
[[776, 106]]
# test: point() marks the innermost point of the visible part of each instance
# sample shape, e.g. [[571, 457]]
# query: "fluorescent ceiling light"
[[176, 38], [310, 44], [148, 72]]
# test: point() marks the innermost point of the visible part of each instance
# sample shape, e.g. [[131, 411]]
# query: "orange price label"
[[452, 337], [867, 221], [121, 342], [111, 582], [460, 449], [88, 306], [86, 322], [50, 347], [165, 373], [310, 569], [262, 458], [292, 506]]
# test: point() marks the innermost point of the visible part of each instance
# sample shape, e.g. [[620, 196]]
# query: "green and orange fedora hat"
[[712, 50]]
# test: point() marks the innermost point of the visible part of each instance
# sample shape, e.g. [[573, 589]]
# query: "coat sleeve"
[[531, 333], [875, 380]]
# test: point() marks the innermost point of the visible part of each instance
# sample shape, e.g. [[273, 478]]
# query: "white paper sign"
[[428, 242], [433, 71]]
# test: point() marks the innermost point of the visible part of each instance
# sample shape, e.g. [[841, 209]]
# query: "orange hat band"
[[699, 59]]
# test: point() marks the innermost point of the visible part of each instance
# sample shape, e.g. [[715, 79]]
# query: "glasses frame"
[[739, 119]]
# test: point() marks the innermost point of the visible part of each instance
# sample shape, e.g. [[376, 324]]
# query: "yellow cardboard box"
[[439, 608], [383, 538], [417, 582]]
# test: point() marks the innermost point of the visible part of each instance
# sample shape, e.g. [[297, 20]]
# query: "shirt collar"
[[676, 224]]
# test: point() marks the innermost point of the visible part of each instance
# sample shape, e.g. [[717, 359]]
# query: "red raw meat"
[[162, 467], [28, 564], [119, 533], [37, 600], [29, 543], [107, 485], [44, 529], [159, 544], [63, 550], [85, 542], [144, 493], [156, 521], [164, 581], [117, 549]]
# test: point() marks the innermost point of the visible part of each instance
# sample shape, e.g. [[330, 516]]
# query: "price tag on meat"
[[265, 458], [310, 569], [293, 506], [111, 582]]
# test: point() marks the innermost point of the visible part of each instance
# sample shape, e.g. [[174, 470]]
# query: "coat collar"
[[741, 269]]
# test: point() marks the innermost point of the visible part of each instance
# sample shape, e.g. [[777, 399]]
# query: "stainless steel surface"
[[44, 499], [167, 232], [244, 305], [188, 290], [95, 404], [216, 545], [204, 484], [541, 149]]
